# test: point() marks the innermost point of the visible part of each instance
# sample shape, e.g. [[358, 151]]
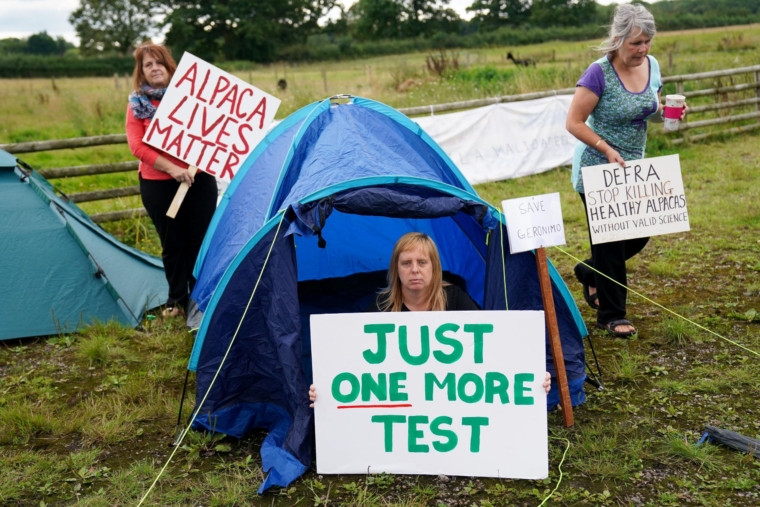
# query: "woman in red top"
[[160, 176]]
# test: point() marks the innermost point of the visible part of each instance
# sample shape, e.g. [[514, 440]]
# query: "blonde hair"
[[629, 20], [391, 298], [160, 53]]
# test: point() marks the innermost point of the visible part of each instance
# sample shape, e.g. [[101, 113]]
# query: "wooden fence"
[[741, 107]]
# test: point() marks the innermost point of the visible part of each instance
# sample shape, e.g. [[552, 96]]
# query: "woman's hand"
[[547, 383], [613, 157], [685, 110], [180, 175], [312, 395]]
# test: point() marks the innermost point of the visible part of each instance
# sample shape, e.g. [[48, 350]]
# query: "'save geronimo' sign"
[[534, 222], [644, 198], [209, 118], [455, 393]]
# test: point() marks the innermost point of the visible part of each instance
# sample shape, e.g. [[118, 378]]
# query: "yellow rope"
[[660, 306], [232, 341], [503, 264], [561, 474]]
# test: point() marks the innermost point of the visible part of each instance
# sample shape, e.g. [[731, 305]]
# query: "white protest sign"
[[454, 393], [534, 222], [210, 119], [644, 198]]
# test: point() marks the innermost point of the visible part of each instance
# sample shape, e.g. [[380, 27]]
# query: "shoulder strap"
[[655, 78]]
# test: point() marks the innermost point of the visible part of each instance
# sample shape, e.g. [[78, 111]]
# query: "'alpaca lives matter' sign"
[[210, 119]]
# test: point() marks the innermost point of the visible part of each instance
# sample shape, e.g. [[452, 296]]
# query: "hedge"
[[27, 66]]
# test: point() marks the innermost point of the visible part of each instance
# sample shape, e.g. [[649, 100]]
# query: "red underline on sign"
[[395, 405]]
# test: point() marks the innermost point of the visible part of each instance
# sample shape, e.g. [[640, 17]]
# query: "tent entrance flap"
[[363, 244]]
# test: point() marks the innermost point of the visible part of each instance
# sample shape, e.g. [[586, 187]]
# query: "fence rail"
[[87, 170], [63, 144], [720, 92]]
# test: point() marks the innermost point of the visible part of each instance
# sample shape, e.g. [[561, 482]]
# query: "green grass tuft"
[[628, 367], [664, 269], [20, 422], [703, 455], [677, 332]]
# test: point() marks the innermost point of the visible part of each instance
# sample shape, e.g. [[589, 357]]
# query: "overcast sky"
[[22, 18]]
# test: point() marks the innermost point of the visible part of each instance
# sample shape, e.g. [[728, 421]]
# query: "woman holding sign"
[[616, 95], [415, 284], [161, 175]]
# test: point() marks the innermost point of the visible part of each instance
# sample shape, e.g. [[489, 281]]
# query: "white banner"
[[505, 141], [210, 119], [454, 393], [644, 198]]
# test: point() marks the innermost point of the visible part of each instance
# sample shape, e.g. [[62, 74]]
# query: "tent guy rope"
[[642, 296], [221, 365], [559, 467], [503, 260]]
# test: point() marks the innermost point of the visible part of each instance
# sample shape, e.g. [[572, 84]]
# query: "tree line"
[[40, 44], [270, 30]]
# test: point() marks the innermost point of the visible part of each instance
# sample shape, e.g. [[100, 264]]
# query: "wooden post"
[[551, 326], [116, 80], [324, 79], [757, 89], [180, 195]]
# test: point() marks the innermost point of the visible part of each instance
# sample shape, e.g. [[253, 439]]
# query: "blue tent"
[[59, 270], [307, 226]]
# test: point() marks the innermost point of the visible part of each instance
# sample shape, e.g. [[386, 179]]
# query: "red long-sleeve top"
[[146, 154]]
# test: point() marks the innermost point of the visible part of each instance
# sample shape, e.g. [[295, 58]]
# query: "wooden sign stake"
[[551, 325], [180, 195]]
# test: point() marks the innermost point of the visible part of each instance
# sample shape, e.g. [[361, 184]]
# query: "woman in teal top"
[[613, 101]]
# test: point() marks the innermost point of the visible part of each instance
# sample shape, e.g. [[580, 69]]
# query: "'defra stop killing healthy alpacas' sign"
[[210, 119], [455, 393], [639, 199]]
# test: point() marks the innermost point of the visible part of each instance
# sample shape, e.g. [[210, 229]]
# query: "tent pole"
[[178, 429], [598, 381], [551, 326]]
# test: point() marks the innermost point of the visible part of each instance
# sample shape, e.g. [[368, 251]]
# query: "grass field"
[[87, 419]]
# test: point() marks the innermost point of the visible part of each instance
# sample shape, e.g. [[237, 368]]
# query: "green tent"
[[59, 271]]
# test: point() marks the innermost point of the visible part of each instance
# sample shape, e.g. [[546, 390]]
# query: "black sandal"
[[593, 301], [611, 325]]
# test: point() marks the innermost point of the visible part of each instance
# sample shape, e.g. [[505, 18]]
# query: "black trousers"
[[609, 258], [181, 237]]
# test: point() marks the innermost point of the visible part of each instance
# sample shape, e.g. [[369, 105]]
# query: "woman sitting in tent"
[[415, 284], [415, 280]]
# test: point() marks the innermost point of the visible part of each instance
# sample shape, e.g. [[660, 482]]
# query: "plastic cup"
[[673, 108]]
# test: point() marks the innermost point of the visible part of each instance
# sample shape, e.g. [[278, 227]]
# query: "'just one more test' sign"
[[210, 119], [454, 393]]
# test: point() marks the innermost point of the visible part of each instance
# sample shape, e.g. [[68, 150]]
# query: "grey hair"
[[629, 20]]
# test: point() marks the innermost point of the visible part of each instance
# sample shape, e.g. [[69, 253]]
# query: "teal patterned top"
[[620, 117]]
